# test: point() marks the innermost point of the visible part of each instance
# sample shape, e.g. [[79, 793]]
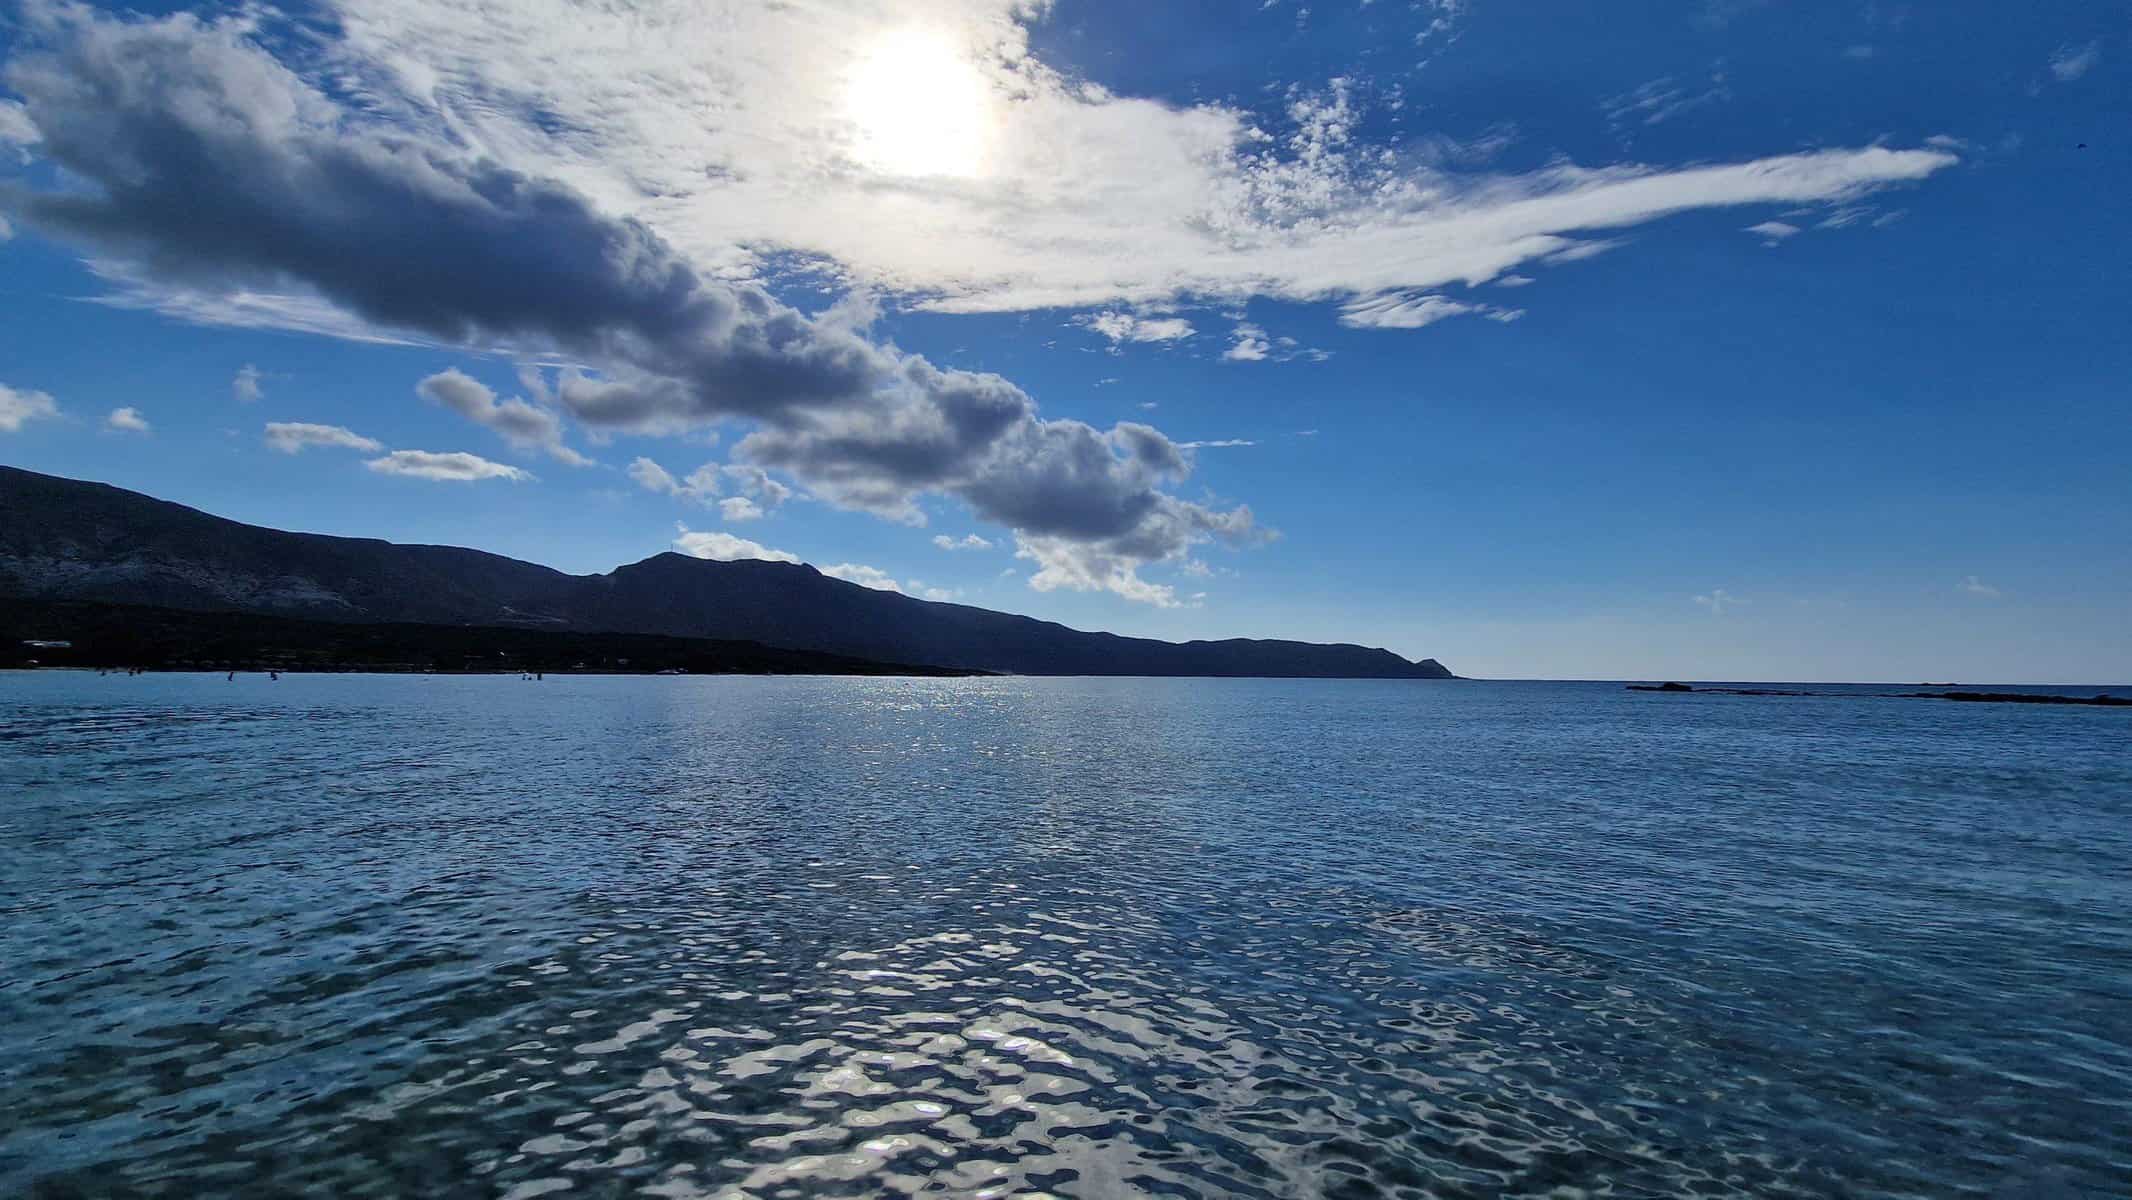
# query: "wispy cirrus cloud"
[[1399, 310], [1663, 99], [1080, 198], [294, 437], [2071, 62], [1717, 601]]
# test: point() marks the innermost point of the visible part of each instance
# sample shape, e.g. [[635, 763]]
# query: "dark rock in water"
[[64, 540], [2103, 699]]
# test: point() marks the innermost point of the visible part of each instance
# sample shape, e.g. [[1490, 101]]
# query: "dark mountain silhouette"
[[69, 540]]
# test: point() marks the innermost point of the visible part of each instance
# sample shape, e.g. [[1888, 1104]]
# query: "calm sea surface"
[[780, 937]]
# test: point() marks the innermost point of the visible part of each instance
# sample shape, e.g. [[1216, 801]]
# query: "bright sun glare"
[[920, 108]]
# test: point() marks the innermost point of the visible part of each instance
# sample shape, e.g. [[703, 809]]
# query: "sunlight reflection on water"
[[756, 937]]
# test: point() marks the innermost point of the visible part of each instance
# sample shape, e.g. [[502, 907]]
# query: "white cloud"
[[1579, 251], [456, 466], [1717, 600], [756, 484], [701, 486], [1513, 281], [293, 437], [1398, 310], [671, 157], [1772, 232], [1217, 444], [7, 230], [1249, 345], [1065, 565], [2072, 62], [1661, 100], [19, 407], [525, 425], [864, 576], [16, 128], [733, 127], [1125, 327], [1974, 586], [652, 477], [968, 541], [882, 581], [127, 420], [246, 386], [724, 547]]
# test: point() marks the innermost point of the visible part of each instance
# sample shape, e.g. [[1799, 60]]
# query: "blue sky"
[[1710, 340]]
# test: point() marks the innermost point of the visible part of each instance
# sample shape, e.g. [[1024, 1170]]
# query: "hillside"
[[70, 540]]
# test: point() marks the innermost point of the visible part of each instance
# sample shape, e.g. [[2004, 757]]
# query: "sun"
[[920, 107]]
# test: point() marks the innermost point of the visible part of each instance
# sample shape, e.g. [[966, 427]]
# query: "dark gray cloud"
[[215, 165], [210, 164]]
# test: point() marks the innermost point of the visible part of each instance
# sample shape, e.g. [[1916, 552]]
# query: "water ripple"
[[731, 938]]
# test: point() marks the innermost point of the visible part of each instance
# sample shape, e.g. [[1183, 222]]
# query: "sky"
[[1718, 339]]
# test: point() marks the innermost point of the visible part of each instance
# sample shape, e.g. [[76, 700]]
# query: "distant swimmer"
[[233, 677]]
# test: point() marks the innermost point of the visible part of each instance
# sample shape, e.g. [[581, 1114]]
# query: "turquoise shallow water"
[[779, 937]]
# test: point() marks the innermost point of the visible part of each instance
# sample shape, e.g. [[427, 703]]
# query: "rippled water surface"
[[779, 937]]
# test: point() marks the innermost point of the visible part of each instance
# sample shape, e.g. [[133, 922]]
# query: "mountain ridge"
[[66, 539]]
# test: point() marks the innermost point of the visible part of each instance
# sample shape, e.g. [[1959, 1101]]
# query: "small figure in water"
[[275, 675], [233, 677]]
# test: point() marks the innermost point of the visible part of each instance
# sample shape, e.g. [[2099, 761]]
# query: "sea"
[[359, 936]]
